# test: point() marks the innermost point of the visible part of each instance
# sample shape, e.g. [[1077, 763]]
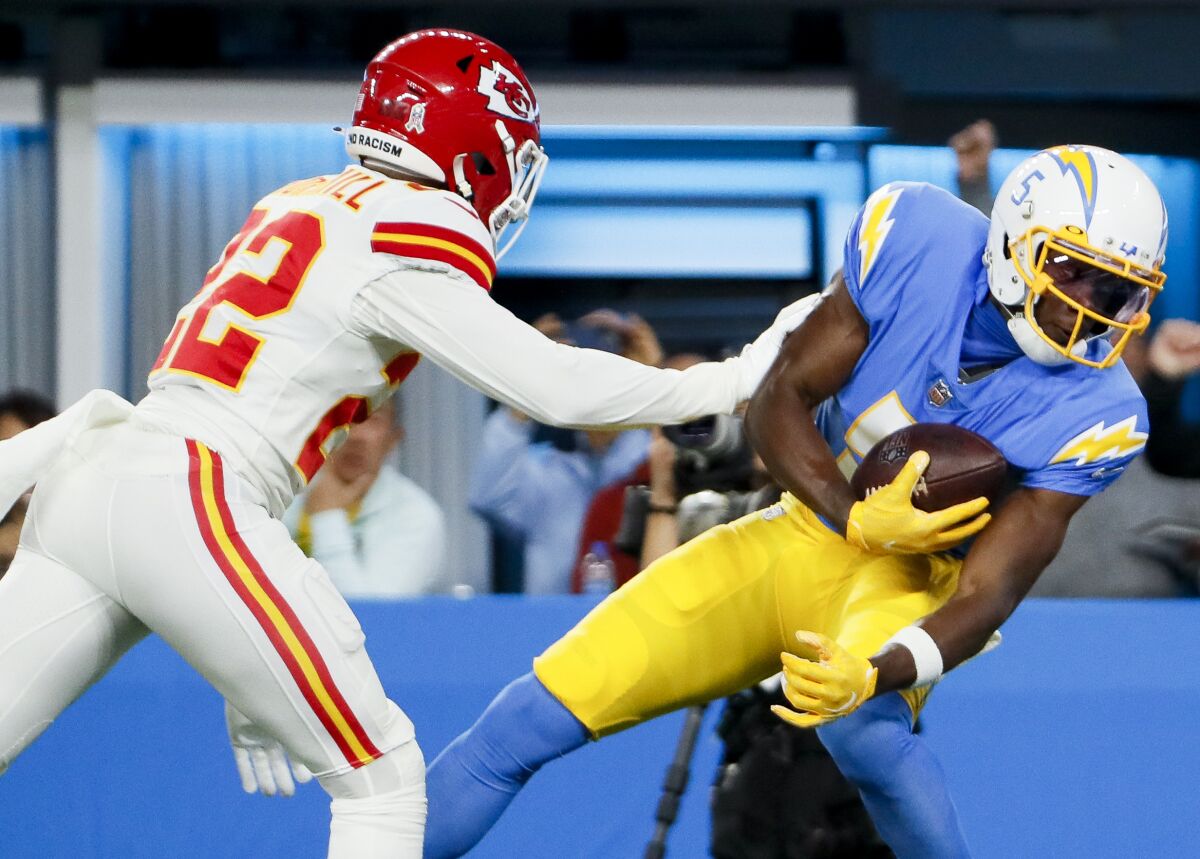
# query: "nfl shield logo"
[[940, 394]]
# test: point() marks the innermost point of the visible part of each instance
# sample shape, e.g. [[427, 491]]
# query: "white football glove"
[[262, 762], [757, 357]]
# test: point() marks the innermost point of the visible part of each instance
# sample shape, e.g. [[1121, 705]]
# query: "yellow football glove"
[[824, 682], [886, 521]]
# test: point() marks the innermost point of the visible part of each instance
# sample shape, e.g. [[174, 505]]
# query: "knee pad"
[[402, 770]]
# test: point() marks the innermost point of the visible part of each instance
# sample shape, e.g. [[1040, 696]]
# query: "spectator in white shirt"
[[377, 532]]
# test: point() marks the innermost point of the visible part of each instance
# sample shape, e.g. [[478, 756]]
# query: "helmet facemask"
[[1109, 295], [523, 167], [526, 167]]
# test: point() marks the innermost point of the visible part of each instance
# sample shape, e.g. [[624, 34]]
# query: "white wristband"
[[924, 651]]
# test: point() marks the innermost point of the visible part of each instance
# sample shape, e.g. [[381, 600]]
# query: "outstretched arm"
[[459, 327]]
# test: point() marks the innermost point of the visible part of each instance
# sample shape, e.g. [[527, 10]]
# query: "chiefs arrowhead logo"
[[506, 94]]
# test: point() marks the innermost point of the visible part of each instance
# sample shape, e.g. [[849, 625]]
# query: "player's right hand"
[[262, 762], [887, 521]]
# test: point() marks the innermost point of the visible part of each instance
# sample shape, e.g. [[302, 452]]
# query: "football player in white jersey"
[[164, 517]]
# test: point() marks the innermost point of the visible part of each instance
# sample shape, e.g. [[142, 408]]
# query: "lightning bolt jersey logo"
[[874, 228], [1080, 164], [1099, 443]]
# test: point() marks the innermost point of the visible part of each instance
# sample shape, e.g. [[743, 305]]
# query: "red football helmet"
[[454, 108]]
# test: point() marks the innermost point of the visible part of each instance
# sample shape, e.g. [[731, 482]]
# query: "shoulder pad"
[[902, 228], [422, 223]]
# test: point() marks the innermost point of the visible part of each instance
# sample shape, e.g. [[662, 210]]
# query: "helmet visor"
[[1111, 298]]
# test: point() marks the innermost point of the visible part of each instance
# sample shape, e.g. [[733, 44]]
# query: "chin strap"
[[1030, 342], [1036, 348]]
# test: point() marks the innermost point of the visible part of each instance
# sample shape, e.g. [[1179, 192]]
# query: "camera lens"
[[693, 434]]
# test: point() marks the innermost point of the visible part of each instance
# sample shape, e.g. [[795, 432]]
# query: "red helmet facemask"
[[456, 109]]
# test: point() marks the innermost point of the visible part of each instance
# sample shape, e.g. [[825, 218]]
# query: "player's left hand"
[[262, 762], [823, 681], [757, 357]]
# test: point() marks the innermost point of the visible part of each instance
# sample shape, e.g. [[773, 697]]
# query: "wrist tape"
[[925, 653]]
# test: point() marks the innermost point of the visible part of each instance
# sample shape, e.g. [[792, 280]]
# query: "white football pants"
[[135, 530]]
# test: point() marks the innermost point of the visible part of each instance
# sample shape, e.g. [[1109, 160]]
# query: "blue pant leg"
[[473, 780], [901, 781]]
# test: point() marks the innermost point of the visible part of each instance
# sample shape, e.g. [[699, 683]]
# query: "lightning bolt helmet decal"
[[1080, 164]]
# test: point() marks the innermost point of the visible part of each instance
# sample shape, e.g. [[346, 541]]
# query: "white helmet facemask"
[[526, 167]]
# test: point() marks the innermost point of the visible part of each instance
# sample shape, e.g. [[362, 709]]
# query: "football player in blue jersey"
[[1012, 329]]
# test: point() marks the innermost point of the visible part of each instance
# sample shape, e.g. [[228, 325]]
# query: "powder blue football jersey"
[[913, 266]]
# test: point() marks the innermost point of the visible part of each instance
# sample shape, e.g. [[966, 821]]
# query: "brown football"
[[962, 465]]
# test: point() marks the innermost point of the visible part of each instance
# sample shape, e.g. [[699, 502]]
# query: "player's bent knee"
[[401, 769], [867, 746]]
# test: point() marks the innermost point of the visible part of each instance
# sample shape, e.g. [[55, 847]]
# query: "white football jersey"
[[264, 358], [323, 302]]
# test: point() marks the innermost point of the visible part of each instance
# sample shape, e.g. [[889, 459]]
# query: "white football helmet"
[[1088, 227]]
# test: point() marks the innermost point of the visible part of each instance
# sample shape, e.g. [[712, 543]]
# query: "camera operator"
[[525, 469], [661, 532], [777, 794], [702, 473]]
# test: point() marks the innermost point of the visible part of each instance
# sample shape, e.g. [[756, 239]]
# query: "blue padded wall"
[[1076, 738]]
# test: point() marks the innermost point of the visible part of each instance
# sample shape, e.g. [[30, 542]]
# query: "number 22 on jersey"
[[259, 274]]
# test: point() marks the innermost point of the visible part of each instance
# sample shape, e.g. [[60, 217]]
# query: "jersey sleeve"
[[1089, 460], [891, 240], [874, 249], [451, 321], [435, 230]]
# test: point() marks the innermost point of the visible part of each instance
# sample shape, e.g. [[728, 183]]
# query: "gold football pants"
[[712, 617]]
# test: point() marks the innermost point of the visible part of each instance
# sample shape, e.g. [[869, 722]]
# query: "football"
[[962, 465]]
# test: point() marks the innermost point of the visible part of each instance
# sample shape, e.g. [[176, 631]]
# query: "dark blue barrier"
[[1077, 738]]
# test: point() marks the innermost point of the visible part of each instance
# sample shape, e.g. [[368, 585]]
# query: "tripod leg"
[[676, 781]]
